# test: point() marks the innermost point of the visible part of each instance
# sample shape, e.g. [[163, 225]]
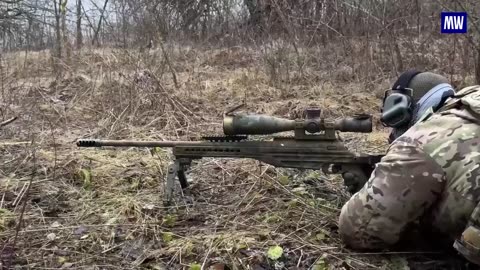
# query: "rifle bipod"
[[176, 169]]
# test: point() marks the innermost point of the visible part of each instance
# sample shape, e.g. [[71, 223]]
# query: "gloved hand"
[[355, 178]]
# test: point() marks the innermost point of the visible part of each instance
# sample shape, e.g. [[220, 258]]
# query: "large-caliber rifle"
[[315, 145]]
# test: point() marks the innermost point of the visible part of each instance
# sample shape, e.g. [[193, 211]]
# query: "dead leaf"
[[136, 249], [55, 224], [80, 230], [67, 265], [320, 236], [217, 266], [149, 206], [51, 236]]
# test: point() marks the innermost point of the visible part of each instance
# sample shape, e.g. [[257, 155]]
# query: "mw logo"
[[453, 22]]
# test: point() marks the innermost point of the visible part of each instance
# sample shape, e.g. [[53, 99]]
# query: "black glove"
[[355, 178]]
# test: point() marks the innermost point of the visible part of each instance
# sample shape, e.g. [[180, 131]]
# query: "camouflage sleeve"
[[403, 185]]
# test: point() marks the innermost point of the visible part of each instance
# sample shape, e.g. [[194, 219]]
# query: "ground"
[[103, 208]]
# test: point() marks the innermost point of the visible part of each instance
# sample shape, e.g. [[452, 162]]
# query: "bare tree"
[[370, 36], [57, 29], [66, 45], [79, 41], [95, 37]]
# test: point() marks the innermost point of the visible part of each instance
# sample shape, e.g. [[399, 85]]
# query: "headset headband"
[[401, 85], [404, 80]]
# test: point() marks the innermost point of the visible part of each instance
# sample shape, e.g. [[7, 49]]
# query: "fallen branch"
[[4, 123]]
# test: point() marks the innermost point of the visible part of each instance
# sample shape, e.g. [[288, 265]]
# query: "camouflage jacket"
[[431, 174]]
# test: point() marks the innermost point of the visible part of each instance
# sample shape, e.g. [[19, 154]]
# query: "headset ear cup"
[[397, 110], [398, 107], [408, 117]]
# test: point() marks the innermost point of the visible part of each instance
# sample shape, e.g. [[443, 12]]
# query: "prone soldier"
[[430, 174]]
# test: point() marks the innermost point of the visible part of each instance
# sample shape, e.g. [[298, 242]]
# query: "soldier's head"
[[411, 96]]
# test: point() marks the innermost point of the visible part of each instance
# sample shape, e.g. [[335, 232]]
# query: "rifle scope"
[[243, 124]]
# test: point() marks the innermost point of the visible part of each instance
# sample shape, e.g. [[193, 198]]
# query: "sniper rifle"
[[315, 145]]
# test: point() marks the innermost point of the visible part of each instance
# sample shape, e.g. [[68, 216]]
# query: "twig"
[[173, 102], [12, 143], [167, 59], [209, 249], [6, 122], [300, 259], [291, 193], [20, 194], [112, 127], [111, 248], [389, 253], [46, 229]]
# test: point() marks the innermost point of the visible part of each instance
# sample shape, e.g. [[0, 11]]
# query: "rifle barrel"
[[130, 143]]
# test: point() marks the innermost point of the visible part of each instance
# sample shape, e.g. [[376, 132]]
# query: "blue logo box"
[[454, 22]]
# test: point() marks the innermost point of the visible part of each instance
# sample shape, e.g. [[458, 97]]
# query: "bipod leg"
[[182, 166], [171, 175], [176, 169]]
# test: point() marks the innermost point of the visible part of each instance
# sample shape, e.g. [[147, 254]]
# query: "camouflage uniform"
[[430, 173]]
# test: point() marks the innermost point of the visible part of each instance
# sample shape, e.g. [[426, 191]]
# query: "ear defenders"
[[398, 103]]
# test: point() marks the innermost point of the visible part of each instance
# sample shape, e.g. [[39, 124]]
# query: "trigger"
[[349, 177]]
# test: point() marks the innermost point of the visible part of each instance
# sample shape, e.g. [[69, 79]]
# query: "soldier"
[[430, 174]]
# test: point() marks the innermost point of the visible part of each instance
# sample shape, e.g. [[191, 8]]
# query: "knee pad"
[[468, 245]]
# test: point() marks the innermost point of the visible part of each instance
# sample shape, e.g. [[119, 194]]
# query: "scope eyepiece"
[[362, 124]]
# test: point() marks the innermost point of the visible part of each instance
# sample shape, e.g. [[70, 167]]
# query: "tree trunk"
[[64, 29], [252, 9], [79, 25], [58, 53], [124, 25], [95, 37], [255, 12], [398, 55]]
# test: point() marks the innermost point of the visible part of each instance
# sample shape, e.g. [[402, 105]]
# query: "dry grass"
[[102, 209]]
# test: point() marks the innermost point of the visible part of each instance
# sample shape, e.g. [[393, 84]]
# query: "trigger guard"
[[331, 168]]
